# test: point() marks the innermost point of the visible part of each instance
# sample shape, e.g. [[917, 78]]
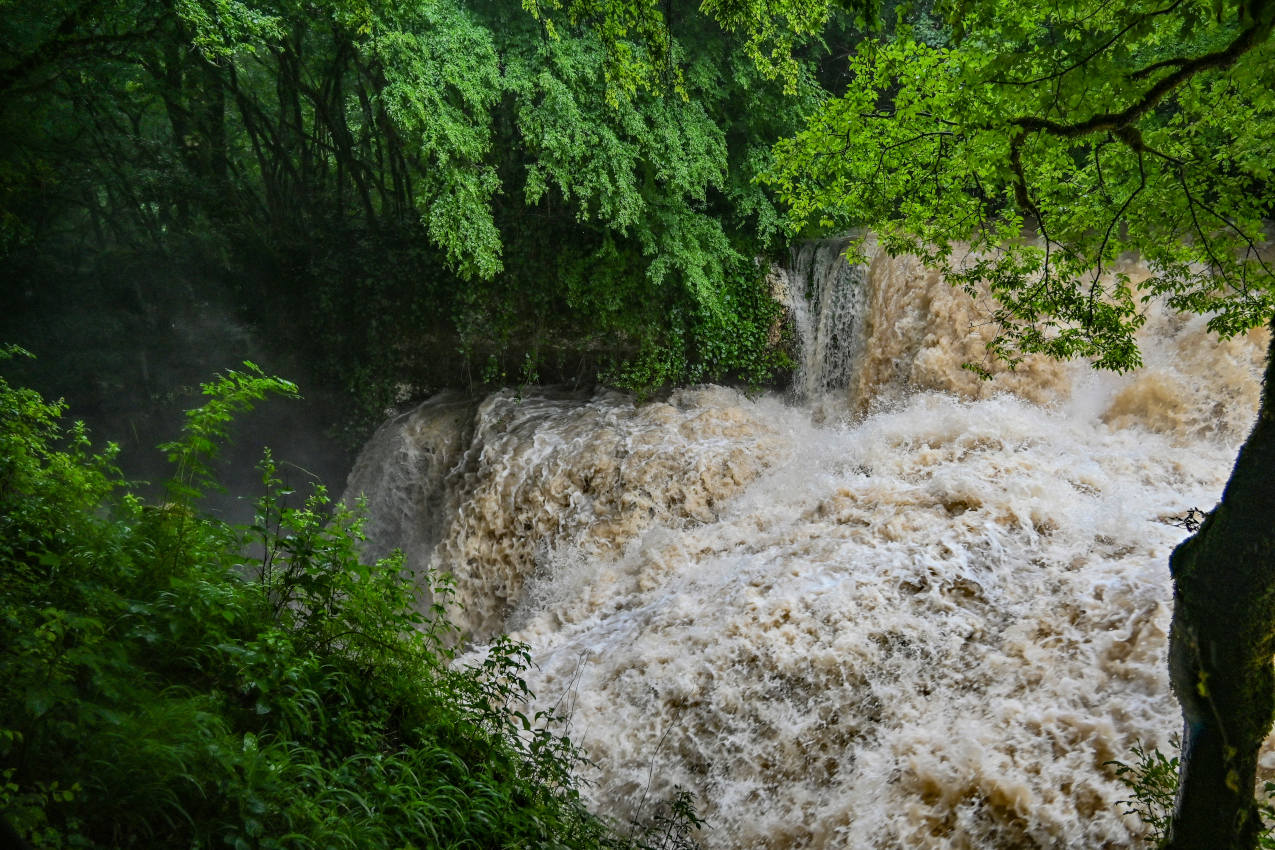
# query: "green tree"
[[1102, 128], [412, 192]]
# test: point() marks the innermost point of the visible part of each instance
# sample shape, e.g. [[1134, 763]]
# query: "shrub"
[[1153, 781], [164, 690]]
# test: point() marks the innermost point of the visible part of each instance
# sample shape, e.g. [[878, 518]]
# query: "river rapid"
[[900, 607]]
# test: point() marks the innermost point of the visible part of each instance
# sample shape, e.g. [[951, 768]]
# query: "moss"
[[1221, 644]]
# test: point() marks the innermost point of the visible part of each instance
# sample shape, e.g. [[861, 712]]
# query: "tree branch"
[[1095, 52], [1248, 39]]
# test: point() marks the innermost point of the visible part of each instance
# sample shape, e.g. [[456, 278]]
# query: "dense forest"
[[382, 199], [385, 198]]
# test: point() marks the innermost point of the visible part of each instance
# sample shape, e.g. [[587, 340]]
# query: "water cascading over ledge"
[[926, 622], [827, 299]]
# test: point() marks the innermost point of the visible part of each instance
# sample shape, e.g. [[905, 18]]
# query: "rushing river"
[[904, 608]]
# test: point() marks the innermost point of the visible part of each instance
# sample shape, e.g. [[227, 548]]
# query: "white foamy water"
[[926, 623]]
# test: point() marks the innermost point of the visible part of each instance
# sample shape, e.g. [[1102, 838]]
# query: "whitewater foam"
[[927, 621]]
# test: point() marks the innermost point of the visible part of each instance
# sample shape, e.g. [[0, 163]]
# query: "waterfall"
[[926, 621], [827, 298]]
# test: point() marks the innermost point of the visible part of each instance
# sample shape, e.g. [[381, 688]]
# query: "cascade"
[[911, 608], [827, 299]]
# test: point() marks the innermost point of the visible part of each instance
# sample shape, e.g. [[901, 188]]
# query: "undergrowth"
[[1152, 778], [161, 689]]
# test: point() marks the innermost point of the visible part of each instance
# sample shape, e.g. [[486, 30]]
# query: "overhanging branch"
[[1249, 38]]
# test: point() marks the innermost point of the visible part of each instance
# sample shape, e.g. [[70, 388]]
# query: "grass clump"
[[162, 690]]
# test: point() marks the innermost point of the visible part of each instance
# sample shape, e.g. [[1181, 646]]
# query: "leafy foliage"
[[1153, 780], [1107, 127], [401, 193], [206, 428], [671, 826], [163, 691], [640, 49]]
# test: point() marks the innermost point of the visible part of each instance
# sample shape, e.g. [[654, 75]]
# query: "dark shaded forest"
[[377, 200]]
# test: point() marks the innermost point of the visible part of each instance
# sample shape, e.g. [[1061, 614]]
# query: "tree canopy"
[[1100, 128], [409, 192]]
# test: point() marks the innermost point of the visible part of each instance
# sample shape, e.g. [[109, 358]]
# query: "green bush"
[[163, 689], [1153, 781]]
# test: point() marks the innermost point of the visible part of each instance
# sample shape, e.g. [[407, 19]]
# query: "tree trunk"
[[1221, 644]]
